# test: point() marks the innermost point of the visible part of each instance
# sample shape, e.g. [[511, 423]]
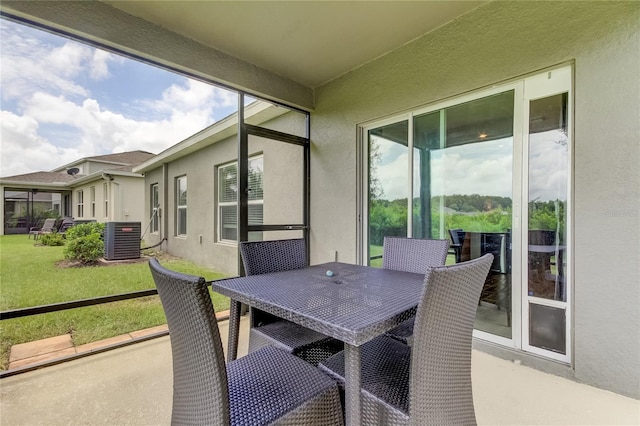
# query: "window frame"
[[520, 324]]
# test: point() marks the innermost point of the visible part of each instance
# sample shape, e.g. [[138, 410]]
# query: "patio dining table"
[[351, 303]]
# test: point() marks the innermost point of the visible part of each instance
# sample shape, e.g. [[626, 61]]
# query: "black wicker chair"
[[411, 255], [429, 382], [261, 257], [265, 387]]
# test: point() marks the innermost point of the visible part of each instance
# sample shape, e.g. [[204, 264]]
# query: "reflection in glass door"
[[460, 181], [546, 329], [388, 185], [491, 173], [462, 191]]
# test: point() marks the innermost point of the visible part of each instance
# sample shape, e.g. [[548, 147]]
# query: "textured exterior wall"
[[282, 196], [494, 43], [125, 195]]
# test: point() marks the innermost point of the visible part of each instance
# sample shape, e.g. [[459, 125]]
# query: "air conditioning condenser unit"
[[122, 240]]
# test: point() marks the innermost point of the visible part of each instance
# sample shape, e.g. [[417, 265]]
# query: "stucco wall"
[[282, 195], [132, 194], [125, 200], [497, 42]]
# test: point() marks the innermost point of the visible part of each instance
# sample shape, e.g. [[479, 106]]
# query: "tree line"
[[480, 213]]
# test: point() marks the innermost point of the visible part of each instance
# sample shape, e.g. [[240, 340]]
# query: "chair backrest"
[[457, 236], [66, 223], [261, 257], [413, 254], [48, 225], [200, 390], [440, 386]]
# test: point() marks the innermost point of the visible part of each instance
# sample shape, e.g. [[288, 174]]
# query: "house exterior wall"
[[131, 193], [494, 43], [154, 177], [282, 196], [93, 166], [124, 200]]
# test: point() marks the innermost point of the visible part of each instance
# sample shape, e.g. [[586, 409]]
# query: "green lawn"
[[30, 276]]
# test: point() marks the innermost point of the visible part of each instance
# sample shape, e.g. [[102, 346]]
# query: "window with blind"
[[155, 205], [228, 198], [181, 206]]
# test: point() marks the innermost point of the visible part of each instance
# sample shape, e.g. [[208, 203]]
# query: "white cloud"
[[28, 65], [192, 96], [100, 64], [548, 166], [100, 130], [393, 177], [462, 171], [481, 168], [51, 118], [22, 147]]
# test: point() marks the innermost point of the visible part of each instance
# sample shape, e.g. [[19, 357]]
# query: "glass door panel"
[[492, 174], [462, 191], [388, 185], [548, 192]]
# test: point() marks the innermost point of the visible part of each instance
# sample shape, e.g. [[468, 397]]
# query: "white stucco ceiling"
[[310, 42]]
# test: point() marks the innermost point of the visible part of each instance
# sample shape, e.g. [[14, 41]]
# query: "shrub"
[[53, 239], [84, 242], [85, 229]]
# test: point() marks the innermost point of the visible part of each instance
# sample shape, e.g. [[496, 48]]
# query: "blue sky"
[[63, 100]]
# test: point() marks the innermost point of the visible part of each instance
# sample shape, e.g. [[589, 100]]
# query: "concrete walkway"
[[132, 386], [25, 354]]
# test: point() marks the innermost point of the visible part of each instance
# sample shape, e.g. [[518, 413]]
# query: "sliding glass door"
[[466, 170]]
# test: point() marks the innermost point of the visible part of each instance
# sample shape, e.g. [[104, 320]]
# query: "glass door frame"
[[540, 86], [520, 323], [363, 147]]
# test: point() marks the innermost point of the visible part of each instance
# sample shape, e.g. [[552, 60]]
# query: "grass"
[[31, 275]]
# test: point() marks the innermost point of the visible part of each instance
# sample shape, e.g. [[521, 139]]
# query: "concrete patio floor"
[[132, 386]]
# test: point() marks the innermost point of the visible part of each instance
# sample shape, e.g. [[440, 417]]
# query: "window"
[[155, 207], [105, 193], [228, 198], [80, 204], [181, 206], [92, 195]]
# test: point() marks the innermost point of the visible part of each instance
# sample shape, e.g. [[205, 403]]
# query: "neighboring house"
[[525, 68], [191, 188], [101, 188]]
